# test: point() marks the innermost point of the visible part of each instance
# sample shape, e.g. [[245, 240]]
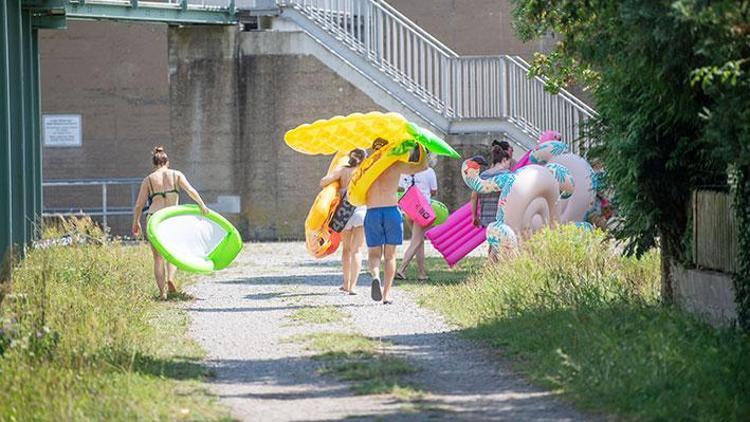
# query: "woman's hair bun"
[[159, 156]]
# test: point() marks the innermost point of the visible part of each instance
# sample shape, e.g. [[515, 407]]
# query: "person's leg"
[[375, 236], [421, 268], [416, 242], [171, 271], [357, 240], [159, 272], [346, 252], [389, 270], [394, 236], [373, 260]]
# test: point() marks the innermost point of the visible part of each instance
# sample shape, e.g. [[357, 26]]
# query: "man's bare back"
[[382, 192]]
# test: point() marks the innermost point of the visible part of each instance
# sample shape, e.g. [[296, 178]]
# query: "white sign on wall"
[[62, 130]]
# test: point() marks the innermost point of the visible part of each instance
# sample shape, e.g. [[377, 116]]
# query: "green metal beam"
[[30, 137], [43, 4], [37, 127], [50, 22], [15, 95], [46, 14], [6, 228], [167, 14]]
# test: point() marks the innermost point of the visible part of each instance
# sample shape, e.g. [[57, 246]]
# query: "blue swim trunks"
[[383, 226]]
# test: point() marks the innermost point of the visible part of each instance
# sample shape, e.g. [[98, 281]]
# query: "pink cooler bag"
[[417, 207]]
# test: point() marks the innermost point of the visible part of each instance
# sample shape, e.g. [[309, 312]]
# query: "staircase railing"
[[458, 87]]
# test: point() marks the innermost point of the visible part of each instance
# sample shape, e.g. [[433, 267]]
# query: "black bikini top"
[[163, 194]]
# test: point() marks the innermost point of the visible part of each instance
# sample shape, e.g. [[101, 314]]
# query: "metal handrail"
[[105, 211], [519, 61], [458, 87], [418, 29]]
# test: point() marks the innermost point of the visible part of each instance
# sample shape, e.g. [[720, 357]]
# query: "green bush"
[[671, 83], [583, 320], [83, 338]]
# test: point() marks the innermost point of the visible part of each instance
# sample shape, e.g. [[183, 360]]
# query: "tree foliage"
[[725, 43], [670, 83]]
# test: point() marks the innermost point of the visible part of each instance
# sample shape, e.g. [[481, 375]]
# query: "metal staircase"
[[457, 94]]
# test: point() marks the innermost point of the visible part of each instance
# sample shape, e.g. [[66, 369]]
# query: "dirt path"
[[241, 316]]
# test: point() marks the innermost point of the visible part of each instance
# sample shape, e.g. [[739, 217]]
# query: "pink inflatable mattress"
[[457, 236]]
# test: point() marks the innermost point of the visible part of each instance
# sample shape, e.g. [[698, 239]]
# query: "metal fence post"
[[104, 206]]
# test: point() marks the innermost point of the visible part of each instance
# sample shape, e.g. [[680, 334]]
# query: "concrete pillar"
[[204, 111]]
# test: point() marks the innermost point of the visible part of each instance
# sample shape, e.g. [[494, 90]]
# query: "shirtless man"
[[384, 228]]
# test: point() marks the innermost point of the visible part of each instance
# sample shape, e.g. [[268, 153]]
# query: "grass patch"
[[82, 338], [337, 342], [581, 319], [362, 361], [371, 374], [318, 315]]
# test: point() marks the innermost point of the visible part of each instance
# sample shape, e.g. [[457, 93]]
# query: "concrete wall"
[[708, 294], [116, 76], [277, 94], [469, 27]]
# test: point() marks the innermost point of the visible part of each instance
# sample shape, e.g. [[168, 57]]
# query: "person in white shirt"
[[426, 182]]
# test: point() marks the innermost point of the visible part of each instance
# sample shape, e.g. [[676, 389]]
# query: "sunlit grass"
[[83, 338], [364, 362], [579, 318], [318, 315]]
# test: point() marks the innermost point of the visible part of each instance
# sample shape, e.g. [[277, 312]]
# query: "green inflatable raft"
[[194, 242]]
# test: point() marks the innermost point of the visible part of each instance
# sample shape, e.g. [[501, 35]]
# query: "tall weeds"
[[581, 319], [82, 336]]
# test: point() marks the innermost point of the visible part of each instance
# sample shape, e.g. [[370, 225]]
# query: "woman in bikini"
[[353, 233], [484, 207], [161, 189]]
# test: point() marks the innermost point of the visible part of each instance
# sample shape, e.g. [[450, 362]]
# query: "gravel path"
[[241, 314]]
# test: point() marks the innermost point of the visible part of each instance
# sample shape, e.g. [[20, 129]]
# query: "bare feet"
[[171, 288], [163, 295]]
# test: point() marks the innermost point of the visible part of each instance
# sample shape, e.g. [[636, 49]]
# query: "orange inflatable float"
[[320, 239]]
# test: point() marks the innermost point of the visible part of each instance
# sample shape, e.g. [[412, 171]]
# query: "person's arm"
[[421, 165], [138, 208], [474, 209], [433, 183], [330, 178], [403, 183], [187, 187]]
